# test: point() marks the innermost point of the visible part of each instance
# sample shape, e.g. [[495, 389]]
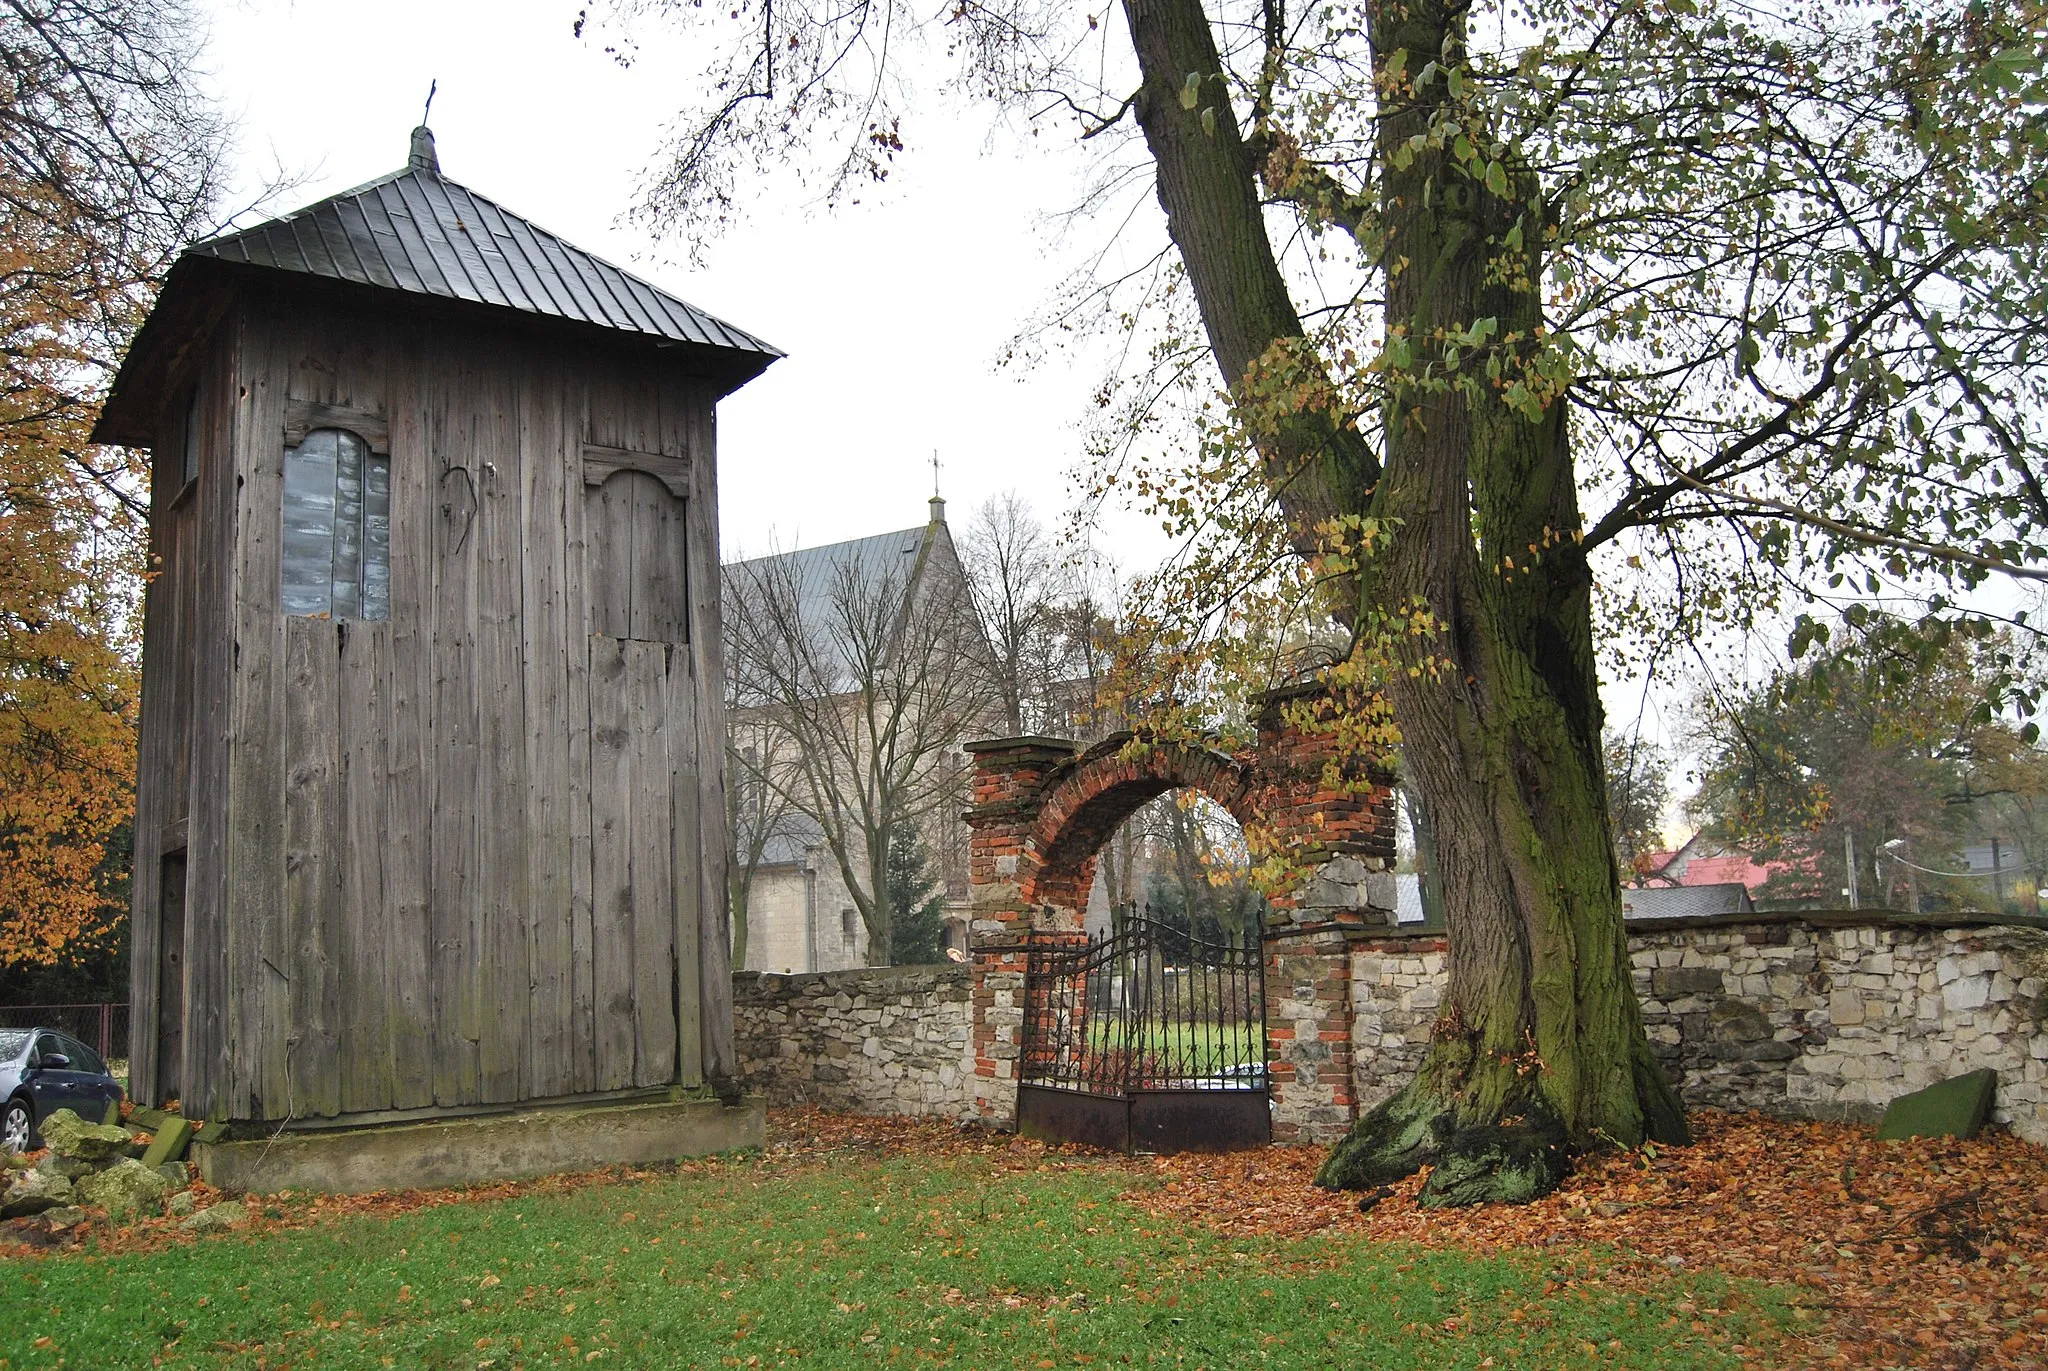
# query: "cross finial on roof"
[[935, 473], [423, 156]]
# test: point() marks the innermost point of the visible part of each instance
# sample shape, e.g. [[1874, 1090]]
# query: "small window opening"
[[849, 928], [337, 528], [189, 470]]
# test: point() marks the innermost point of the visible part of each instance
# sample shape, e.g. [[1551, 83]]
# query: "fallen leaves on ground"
[[1930, 1253]]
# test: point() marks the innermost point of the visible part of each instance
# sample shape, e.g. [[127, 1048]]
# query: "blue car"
[[42, 1071]]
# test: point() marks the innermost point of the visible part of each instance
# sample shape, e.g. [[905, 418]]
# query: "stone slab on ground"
[[497, 1147], [172, 1136], [1954, 1108]]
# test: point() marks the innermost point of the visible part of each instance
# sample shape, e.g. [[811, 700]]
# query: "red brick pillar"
[[1009, 782], [1309, 1035]]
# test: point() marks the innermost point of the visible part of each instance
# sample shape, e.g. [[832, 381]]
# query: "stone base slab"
[[498, 1147]]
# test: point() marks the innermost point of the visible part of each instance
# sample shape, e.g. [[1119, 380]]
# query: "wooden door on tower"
[[643, 782]]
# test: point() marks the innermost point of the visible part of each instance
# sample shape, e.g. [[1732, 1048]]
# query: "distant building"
[[800, 915], [1701, 862]]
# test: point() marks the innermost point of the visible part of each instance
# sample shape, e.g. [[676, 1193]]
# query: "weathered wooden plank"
[[660, 577], [600, 463], [203, 1084], [502, 797], [315, 802], [408, 997], [546, 461], [257, 971], [686, 410], [453, 727], [576, 620], [608, 577], [686, 899], [653, 879], [612, 894], [365, 922], [372, 425], [165, 660]]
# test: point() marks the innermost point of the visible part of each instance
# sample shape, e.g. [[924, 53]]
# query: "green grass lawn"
[[967, 1261]]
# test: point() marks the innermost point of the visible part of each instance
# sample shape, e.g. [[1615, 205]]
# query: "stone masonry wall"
[[895, 1040], [1397, 988], [1805, 1018], [1825, 1016], [1802, 1015]]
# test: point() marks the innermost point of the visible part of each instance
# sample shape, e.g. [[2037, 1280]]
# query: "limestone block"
[[1668, 982], [1845, 1007], [1810, 1089], [70, 1136], [1732, 1021], [70, 1168], [123, 1189], [32, 1192], [1963, 992], [217, 1219]]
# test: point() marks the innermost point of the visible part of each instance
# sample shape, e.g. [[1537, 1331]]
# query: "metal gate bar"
[[1148, 1037]]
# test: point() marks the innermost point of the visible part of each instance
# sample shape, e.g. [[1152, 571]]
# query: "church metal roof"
[[880, 564], [420, 234], [1685, 901], [417, 231]]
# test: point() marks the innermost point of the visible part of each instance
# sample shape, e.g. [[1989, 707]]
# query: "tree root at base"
[[1502, 1163]]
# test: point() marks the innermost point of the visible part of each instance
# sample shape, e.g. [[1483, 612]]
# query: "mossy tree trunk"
[[1540, 1051]]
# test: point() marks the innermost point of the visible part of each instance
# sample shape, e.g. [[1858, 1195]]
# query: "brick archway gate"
[[1043, 808]]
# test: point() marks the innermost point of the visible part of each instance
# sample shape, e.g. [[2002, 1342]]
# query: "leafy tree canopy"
[[1880, 744], [108, 165]]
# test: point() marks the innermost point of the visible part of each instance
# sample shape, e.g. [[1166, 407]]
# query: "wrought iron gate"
[[1149, 1039]]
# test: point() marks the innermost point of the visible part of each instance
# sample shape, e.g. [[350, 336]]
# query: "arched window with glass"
[[337, 527]]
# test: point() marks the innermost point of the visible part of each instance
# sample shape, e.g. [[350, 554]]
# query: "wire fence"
[[102, 1026]]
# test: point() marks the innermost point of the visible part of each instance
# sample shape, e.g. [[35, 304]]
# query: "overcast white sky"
[[892, 312]]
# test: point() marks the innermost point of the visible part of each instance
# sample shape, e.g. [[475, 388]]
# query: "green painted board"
[[1954, 1108], [151, 1119], [169, 1146]]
